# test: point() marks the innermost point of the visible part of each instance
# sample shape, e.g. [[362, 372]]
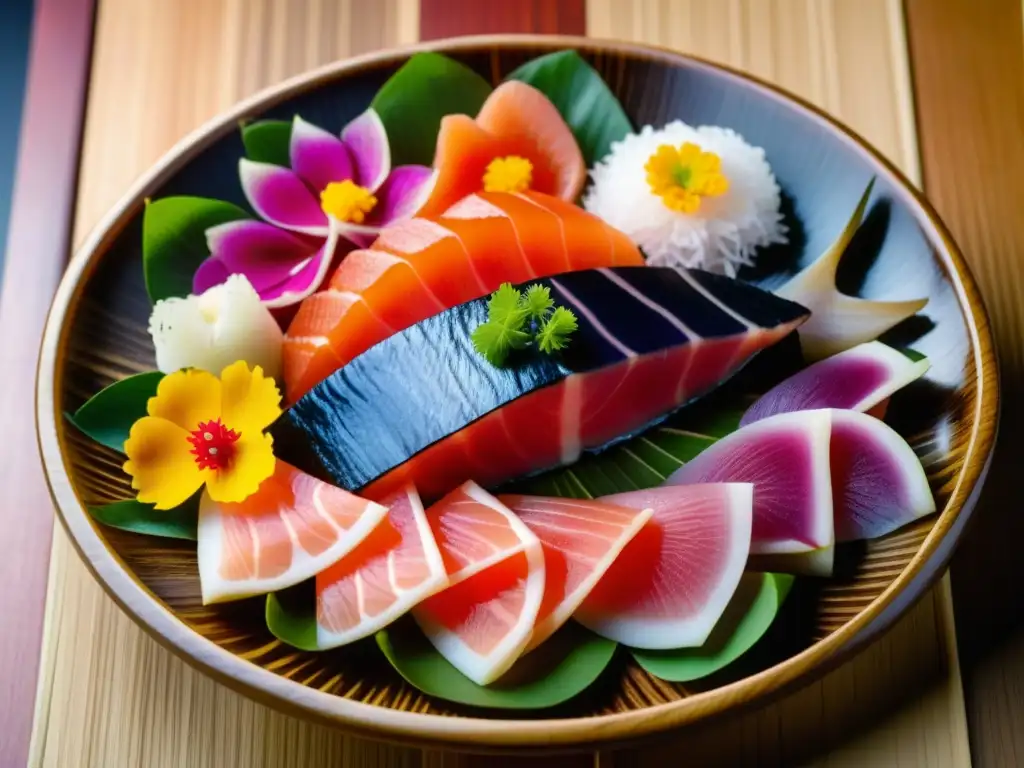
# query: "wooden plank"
[[449, 18], [119, 699], [968, 65], [37, 248]]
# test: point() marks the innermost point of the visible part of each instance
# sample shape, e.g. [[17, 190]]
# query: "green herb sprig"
[[515, 320]]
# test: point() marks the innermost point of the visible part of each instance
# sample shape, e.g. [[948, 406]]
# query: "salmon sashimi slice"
[[474, 530], [487, 232], [422, 266], [292, 528], [397, 566], [670, 584], [437, 255], [482, 623], [538, 231], [517, 120], [581, 539]]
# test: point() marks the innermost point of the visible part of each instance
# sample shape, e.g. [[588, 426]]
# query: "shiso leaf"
[[174, 241], [414, 99], [839, 322], [559, 669], [268, 141], [582, 97], [291, 616], [107, 416], [747, 617], [132, 515]]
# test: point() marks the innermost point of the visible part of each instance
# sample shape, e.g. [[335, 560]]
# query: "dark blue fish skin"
[[427, 382]]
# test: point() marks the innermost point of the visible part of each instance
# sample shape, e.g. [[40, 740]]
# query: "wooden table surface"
[[937, 85]]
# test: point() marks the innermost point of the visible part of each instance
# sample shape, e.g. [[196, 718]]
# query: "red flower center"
[[213, 444]]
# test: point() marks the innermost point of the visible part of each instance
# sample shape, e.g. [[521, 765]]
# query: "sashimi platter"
[[486, 395]]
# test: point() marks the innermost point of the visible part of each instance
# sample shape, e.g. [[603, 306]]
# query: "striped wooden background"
[[109, 696]]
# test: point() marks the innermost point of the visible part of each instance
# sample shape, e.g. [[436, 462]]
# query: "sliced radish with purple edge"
[[786, 457], [858, 379], [878, 482]]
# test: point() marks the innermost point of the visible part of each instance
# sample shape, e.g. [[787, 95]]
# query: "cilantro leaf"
[[504, 306], [494, 340], [537, 302], [555, 331]]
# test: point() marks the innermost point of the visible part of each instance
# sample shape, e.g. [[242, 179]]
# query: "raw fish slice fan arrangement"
[[495, 403]]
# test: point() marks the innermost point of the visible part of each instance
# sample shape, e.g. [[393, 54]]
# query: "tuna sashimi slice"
[[877, 480], [424, 407], [482, 622], [786, 458], [671, 583], [581, 540], [858, 379], [397, 566], [292, 528]]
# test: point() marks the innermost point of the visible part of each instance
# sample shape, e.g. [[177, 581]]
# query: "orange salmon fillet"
[[419, 267]]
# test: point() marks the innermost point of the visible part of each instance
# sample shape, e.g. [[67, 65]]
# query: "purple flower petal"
[[281, 197], [210, 273], [367, 143], [317, 156], [402, 194], [305, 277], [265, 254]]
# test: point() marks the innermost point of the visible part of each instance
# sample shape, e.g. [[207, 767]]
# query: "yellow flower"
[[682, 176], [508, 174], [347, 201], [204, 430]]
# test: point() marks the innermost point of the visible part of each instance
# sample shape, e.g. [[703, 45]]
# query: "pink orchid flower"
[[336, 189]]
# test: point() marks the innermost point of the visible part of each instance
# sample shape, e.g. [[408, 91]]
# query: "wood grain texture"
[[37, 250], [155, 710], [968, 65]]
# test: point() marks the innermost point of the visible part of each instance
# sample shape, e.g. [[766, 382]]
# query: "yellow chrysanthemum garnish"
[[201, 430], [508, 174], [682, 176], [346, 201]]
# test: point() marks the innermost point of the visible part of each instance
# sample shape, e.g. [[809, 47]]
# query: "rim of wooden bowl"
[[478, 732]]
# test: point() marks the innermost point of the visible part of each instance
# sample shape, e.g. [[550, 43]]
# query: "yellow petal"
[[250, 402], [187, 398], [163, 470], [252, 463]]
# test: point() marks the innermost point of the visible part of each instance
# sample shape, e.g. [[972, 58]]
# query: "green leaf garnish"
[[174, 241], [582, 97], [559, 669], [495, 340], [291, 616], [413, 101], [515, 320], [505, 306], [555, 331], [747, 617], [107, 416], [132, 515], [537, 302], [268, 141]]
